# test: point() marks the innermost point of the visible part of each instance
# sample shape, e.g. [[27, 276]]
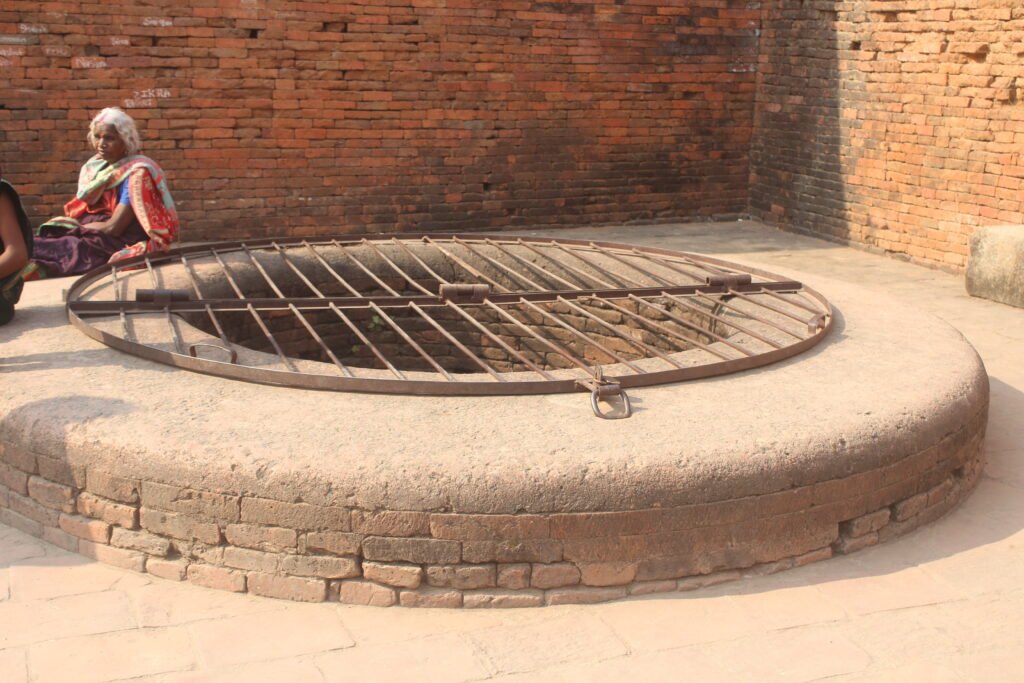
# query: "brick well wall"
[[897, 124], [293, 118]]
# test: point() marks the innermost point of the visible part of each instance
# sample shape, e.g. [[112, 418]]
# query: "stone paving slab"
[[961, 620]]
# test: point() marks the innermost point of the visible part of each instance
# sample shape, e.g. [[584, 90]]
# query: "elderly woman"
[[15, 249], [122, 208]]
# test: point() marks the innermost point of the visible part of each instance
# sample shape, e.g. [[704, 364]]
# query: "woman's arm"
[[15, 253], [118, 223]]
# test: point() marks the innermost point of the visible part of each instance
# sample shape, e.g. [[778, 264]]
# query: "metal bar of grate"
[[554, 346], [620, 334], [397, 269], [342, 281], [688, 341], [459, 345], [410, 341], [373, 276], [587, 279], [178, 345], [199, 295], [500, 342], [536, 268], [514, 274], [466, 266], [256, 316], [581, 336]]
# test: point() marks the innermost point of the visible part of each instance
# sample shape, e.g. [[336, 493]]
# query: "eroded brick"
[[93, 530], [216, 577], [287, 587], [358, 592], [295, 515], [414, 550], [122, 515], [268, 538], [399, 575], [51, 495]]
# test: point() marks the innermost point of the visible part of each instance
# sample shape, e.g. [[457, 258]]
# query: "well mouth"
[[448, 314]]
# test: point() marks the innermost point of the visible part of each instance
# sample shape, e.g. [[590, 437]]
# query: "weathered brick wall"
[[898, 124], [295, 118]]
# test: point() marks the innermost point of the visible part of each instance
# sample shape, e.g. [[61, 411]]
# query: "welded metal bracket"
[[601, 388], [461, 293]]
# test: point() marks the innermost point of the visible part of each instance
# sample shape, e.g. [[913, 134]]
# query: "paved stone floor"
[[945, 603]]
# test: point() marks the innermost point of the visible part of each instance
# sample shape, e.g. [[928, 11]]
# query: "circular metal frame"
[[700, 277]]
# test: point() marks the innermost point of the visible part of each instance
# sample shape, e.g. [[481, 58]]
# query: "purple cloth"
[[69, 252]]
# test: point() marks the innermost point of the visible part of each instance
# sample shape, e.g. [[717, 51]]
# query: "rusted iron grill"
[[448, 314]]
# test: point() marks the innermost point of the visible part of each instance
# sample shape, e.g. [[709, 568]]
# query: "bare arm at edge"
[[14, 256], [118, 223]]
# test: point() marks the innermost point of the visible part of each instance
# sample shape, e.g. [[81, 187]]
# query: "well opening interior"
[[509, 338]]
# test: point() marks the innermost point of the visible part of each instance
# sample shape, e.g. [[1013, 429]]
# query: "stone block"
[[554, 575], [848, 545], [690, 583], [192, 502], [27, 507], [334, 542], [462, 527], [399, 575], [995, 269], [20, 522], [253, 560], [220, 578], [93, 530], [107, 485], [143, 541], [61, 539], [813, 556], [865, 524], [14, 479], [122, 515], [514, 576], [179, 526], [172, 570], [59, 471], [651, 587], [430, 597], [496, 597], [463, 577], [584, 595], [905, 509], [936, 495], [415, 550], [607, 573], [391, 523], [295, 515], [320, 566], [267, 538], [118, 557], [359, 592], [536, 550], [287, 587], [17, 457]]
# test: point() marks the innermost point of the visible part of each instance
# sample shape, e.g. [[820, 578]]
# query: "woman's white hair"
[[122, 123]]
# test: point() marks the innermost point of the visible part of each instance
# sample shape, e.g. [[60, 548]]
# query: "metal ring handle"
[[192, 350], [608, 416]]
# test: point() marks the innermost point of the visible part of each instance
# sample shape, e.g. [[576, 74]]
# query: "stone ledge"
[[493, 509], [996, 267]]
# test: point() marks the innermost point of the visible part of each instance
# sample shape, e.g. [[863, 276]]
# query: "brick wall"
[[897, 124], [295, 118]]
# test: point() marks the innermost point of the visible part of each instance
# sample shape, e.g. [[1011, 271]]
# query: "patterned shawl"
[[147, 187]]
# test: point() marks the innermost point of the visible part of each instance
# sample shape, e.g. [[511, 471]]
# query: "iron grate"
[[448, 314]]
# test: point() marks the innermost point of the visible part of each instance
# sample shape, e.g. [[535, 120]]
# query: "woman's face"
[[109, 144]]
